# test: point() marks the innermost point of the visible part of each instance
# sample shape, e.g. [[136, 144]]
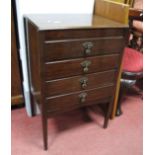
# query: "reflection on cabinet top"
[[72, 21]]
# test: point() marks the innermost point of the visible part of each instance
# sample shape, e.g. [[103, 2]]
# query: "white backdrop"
[[44, 6]]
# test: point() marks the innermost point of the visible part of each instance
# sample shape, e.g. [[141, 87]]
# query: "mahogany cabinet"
[[73, 62]]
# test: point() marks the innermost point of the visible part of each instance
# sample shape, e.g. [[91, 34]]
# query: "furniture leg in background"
[[16, 75]]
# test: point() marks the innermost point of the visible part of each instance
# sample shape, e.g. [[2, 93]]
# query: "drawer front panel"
[[83, 33], [78, 99], [57, 50], [60, 69], [78, 83]]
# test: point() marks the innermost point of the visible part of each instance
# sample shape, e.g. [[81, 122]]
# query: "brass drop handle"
[[85, 64], [82, 97], [88, 46], [84, 82]]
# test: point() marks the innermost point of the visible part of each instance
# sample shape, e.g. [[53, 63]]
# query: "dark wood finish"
[[16, 81], [74, 48], [65, 68], [73, 84], [58, 63], [82, 33], [34, 57], [73, 100]]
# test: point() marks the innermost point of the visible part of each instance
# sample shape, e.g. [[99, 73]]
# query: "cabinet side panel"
[[33, 61]]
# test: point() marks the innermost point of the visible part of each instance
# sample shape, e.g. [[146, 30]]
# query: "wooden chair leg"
[[119, 110], [125, 85], [44, 125]]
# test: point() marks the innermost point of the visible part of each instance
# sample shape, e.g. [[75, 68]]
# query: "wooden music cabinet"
[[73, 62]]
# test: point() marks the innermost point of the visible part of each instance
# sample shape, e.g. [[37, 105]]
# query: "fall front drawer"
[[78, 83], [62, 34], [66, 68], [74, 48], [78, 99]]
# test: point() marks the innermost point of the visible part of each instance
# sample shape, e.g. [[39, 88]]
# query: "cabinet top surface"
[[72, 21]]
